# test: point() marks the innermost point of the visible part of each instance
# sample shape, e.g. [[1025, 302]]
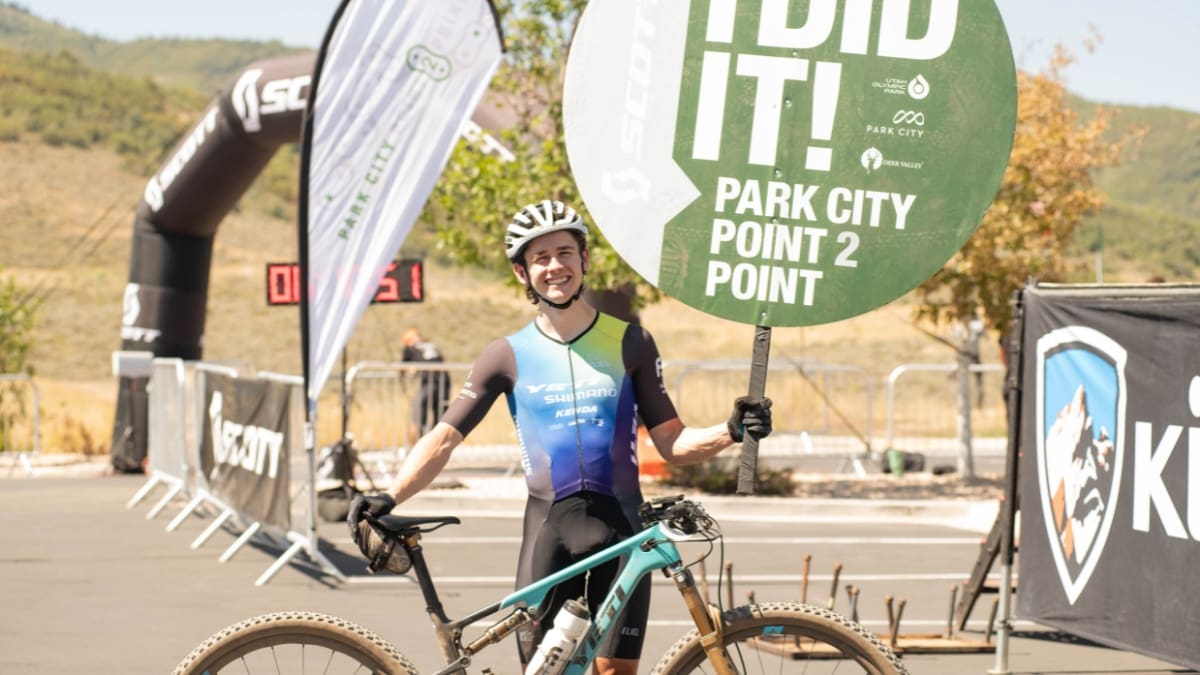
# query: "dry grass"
[[68, 218]]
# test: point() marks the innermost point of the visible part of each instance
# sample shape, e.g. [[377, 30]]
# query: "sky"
[[1147, 56]]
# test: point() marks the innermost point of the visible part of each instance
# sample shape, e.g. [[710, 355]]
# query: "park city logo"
[[424, 60], [1081, 399]]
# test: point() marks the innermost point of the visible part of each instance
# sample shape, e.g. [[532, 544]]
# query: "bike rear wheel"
[[782, 638], [295, 642]]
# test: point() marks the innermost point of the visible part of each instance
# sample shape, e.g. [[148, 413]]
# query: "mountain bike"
[[776, 637]]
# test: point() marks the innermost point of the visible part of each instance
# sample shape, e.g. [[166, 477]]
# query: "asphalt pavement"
[[92, 585]]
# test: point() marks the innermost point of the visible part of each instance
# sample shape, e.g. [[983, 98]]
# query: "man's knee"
[[608, 666]]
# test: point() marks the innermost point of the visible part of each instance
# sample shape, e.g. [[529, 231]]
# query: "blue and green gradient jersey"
[[576, 405]]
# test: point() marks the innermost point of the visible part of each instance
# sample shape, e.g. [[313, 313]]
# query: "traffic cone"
[[650, 463]]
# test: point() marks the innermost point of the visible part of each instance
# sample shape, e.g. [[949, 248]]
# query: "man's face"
[[554, 266]]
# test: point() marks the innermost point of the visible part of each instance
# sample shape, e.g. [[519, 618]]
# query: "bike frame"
[[649, 550]]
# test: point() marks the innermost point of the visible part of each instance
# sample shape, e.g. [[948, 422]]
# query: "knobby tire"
[[294, 639], [783, 638]]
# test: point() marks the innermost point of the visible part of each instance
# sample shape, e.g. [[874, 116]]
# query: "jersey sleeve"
[[492, 374], [645, 368]]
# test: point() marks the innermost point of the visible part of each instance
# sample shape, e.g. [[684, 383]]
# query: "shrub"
[[720, 476]]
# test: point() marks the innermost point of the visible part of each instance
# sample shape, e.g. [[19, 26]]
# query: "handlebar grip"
[[748, 466], [748, 463]]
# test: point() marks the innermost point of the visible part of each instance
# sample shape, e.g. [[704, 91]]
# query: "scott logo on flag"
[[1081, 398], [421, 59]]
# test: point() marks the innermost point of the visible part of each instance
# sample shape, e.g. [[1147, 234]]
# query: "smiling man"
[[577, 382]]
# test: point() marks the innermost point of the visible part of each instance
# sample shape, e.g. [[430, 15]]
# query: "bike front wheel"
[[782, 638], [295, 642]]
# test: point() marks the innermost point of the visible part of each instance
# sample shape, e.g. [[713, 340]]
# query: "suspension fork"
[[706, 617]]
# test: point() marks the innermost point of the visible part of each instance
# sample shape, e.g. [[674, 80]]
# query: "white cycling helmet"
[[537, 219]]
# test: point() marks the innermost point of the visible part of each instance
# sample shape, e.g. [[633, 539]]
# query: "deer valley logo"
[[252, 448], [1081, 402]]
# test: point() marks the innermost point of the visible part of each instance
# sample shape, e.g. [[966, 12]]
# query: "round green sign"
[[789, 163]]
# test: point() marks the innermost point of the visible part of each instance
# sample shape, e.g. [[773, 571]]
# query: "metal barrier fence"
[[818, 408], [20, 420], [922, 408], [378, 409], [177, 413]]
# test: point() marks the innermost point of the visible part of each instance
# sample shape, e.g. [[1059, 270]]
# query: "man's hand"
[[377, 505], [750, 416]]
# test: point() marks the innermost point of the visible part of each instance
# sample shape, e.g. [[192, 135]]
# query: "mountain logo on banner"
[[1081, 399]]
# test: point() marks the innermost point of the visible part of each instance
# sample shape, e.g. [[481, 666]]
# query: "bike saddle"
[[404, 525]]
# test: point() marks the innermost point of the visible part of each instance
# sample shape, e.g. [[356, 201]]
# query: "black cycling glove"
[[751, 417], [376, 505]]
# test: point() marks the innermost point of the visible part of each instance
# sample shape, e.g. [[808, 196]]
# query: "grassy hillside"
[[1151, 223], [205, 65], [1161, 172]]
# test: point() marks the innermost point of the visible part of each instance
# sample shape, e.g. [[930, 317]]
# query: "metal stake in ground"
[[748, 464]]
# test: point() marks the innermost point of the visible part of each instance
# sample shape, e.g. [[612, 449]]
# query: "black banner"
[[244, 446], [1110, 467]]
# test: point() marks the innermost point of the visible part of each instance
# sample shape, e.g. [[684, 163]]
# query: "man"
[[576, 381], [433, 385]]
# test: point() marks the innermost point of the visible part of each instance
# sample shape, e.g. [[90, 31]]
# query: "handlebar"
[[680, 514]]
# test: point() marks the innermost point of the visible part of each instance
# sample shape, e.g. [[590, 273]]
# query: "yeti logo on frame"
[[1080, 446]]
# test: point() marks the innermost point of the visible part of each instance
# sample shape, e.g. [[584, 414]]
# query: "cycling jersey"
[[575, 405]]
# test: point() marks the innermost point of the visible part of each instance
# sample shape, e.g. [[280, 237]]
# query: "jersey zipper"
[[575, 415]]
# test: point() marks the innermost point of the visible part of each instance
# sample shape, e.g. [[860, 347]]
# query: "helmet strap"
[[560, 305], [556, 305]]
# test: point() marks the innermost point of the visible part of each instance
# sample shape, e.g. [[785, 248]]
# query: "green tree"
[[477, 194], [17, 314]]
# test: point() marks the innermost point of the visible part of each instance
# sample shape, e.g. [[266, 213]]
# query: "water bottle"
[[570, 624]]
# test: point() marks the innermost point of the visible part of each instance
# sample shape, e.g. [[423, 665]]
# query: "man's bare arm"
[[681, 445], [425, 461]]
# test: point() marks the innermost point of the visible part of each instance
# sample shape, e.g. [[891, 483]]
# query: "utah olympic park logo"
[[1081, 399]]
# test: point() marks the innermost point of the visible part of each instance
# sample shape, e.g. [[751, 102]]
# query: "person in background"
[[577, 382], [433, 388]]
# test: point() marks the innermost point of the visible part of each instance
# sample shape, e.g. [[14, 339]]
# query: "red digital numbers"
[[389, 286], [416, 280], [402, 281], [283, 284]]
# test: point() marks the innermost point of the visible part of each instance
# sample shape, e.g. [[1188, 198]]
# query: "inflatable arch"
[[182, 205]]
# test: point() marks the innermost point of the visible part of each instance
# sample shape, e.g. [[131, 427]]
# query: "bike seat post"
[[428, 591], [448, 637]]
